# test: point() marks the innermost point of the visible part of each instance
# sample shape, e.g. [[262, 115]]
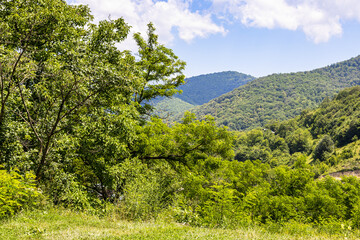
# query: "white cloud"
[[167, 16], [318, 19]]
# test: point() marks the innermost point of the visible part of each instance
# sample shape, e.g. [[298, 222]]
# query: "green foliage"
[[324, 148], [299, 141], [64, 190], [206, 199], [338, 118], [147, 191], [17, 192], [184, 143], [160, 69], [201, 89], [220, 208], [261, 144], [169, 107], [356, 214], [280, 96], [315, 131]]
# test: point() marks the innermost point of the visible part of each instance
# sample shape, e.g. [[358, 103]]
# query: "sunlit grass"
[[64, 224]]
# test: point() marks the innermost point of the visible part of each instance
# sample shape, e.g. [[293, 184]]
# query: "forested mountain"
[[201, 89], [280, 96], [328, 136], [337, 119]]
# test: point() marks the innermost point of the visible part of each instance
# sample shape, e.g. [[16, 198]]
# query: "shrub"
[[64, 190], [147, 190], [16, 192], [323, 148]]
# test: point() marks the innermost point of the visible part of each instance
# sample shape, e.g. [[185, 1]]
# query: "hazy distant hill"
[[199, 90], [280, 96]]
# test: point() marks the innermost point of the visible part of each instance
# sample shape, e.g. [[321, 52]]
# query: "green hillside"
[[328, 137], [171, 106], [201, 89], [198, 90], [280, 96]]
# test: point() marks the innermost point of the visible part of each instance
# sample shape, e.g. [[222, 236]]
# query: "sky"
[[256, 37]]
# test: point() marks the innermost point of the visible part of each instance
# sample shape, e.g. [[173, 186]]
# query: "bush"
[[64, 190], [324, 148], [356, 214], [147, 191], [17, 192], [299, 141]]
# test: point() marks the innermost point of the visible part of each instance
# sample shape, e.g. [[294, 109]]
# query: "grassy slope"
[[171, 107], [280, 96], [61, 224]]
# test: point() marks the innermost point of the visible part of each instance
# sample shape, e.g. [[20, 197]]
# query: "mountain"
[[327, 137], [280, 96], [334, 129], [339, 118], [201, 89]]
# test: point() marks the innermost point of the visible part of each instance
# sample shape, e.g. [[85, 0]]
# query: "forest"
[[77, 133], [279, 96], [197, 91]]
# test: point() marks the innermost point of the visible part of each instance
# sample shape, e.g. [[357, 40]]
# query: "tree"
[[75, 69], [161, 70], [33, 35], [27, 30], [64, 75], [324, 147], [299, 141], [184, 143]]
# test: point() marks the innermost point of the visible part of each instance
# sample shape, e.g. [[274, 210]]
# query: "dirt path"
[[338, 175]]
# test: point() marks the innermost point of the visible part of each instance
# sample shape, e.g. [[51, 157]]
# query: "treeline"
[[75, 132]]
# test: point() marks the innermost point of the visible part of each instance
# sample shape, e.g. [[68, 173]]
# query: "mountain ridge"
[[198, 90], [214, 84], [280, 96]]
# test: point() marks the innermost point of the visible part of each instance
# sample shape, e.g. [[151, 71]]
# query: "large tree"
[[61, 75]]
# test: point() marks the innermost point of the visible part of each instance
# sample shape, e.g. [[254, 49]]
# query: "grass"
[[65, 224], [349, 163]]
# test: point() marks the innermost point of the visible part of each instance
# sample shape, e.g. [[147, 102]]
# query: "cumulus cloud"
[[318, 19], [171, 17]]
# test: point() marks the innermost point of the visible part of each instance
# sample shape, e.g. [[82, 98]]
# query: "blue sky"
[[257, 37]]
